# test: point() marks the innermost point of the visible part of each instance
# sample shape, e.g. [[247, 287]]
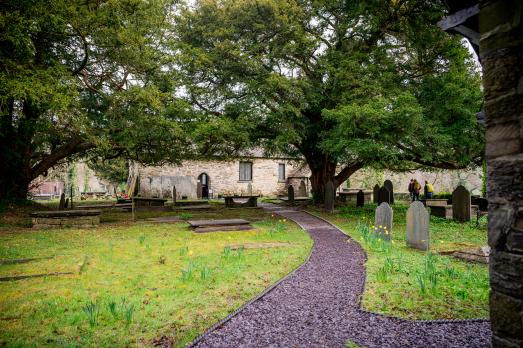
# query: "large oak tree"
[[82, 78], [342, 84]]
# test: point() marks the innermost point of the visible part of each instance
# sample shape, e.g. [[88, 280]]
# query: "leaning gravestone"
[[375, 193], [61, 206], [418, 226], [388, 185], [329, 196], [249, 189], [199, 190], [302, 189], [360, 199], [174, 195], [461, 204], [383, 195], [290, 194], [383, 221]]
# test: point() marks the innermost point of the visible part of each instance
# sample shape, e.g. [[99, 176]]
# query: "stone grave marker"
[[290, 194], [383, 195], [375, 193], [174, 195], [390, 187], [66, 204], [383, 221], [418, 226], [330, 195], [199, 190], [61, 206], [249, 189], [302, 189], [360, 199], [461, 204]]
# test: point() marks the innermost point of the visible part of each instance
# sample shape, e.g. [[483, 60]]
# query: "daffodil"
[[190, 252], [381, 226]]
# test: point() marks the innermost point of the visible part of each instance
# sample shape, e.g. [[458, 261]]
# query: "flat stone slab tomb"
[[219, 225], [66, 218]]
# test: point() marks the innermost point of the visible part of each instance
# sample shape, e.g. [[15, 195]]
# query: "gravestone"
[[383, 221], [330, 195], [375, 193], [360, 199], [388, 185], [302, 189], [461, 204], [249, 189], [418, 226], [66, 204], [199, 190], [383, 195], [174, 195], [61, 206], [290, 194]]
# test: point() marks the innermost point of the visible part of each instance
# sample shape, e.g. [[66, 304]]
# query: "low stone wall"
[[66, 218]]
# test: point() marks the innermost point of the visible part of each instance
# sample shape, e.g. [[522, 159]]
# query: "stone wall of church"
[[224, 177]]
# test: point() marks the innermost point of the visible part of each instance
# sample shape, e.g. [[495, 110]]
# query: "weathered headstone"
[[199, 190], [330, 195], [375, 193], [302, 189], [383, 221], [66, 204], [461, 204], [61, 206], [418, 226], [249, 189], [174, 195], [290, 194], [390, 187], [360, 199], [383, 195]]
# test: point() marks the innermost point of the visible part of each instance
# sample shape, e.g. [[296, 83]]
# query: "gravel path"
[[318, 306]]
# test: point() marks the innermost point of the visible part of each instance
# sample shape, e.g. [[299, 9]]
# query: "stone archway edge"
[[272, 318]]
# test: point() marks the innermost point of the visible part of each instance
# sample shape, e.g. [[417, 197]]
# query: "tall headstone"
[[461, 204], [249, 189], [174, 195], [61, 206], [360, 199], [390, 187], [383, 221], [418, 226], [290, 194], [66, 204], [330, 195], [375, 193], [383, 195], [302, 189], [199, 190]]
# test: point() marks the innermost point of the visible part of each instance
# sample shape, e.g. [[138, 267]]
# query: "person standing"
[[416, 188], [429, 190], [411, 188]]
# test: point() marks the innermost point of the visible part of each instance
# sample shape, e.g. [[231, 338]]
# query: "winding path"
[[318, 306]]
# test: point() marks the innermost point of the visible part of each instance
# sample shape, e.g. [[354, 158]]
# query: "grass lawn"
[[413, 284], [135, 283]]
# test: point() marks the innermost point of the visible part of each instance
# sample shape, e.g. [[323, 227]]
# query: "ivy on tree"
[[342, 84]]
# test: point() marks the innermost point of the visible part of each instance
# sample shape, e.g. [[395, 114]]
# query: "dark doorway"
[[204, 179]]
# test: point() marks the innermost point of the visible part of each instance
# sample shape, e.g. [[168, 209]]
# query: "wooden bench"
[[66, 218], [219, 225]]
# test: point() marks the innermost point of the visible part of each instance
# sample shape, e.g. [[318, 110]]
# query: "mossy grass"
[[413, 284], [135, 283]]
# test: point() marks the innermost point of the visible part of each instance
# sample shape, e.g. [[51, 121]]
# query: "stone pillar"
[[501, 52]]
